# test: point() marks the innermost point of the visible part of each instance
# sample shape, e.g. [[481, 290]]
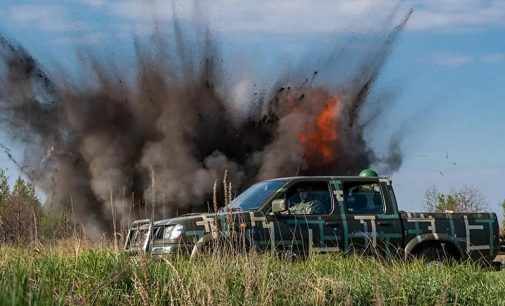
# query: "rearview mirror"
[[278, 205]]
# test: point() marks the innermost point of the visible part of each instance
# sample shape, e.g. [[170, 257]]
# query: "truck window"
[[363, 198], [160, 232], [253, 197], [309, 198]]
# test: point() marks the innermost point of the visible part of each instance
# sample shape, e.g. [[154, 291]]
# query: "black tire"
[[224, 246], [434, 254], [293, 254]]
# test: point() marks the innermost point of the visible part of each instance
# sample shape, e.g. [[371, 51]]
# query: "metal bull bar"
[[139, 235]]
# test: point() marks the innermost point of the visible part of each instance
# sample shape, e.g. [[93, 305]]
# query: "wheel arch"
[[197, 248], [209, 238], [421, 241]]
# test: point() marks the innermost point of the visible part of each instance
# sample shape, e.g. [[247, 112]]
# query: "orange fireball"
[[320, 136]]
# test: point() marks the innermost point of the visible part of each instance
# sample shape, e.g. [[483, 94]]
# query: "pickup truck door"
[[307, 224], [371, 217]]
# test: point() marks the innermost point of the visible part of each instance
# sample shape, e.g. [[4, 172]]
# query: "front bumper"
[[178, 249]]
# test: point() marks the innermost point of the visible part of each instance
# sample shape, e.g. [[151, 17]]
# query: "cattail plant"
[[113, 212], [214, 196], [225, 187]]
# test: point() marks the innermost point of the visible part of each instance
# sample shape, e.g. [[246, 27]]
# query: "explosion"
[[320, 137], [159, 137]]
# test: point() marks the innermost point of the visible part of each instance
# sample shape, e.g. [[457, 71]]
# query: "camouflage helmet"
[[368, 173]]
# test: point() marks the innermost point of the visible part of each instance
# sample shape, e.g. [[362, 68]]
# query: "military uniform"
[[306, 207]]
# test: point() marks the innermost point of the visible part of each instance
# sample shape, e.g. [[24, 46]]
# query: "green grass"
[[104, 277]]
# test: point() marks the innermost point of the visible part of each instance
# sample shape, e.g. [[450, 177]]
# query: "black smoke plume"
[[163, 134]]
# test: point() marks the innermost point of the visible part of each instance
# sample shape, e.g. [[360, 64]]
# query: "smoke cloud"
[[164, 133]]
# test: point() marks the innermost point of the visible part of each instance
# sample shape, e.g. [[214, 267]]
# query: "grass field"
[[59, 276]]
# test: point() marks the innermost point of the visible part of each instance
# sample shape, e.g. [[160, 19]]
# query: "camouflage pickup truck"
[[298, 216]]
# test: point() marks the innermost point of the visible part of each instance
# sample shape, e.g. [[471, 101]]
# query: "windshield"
[[254, 196]]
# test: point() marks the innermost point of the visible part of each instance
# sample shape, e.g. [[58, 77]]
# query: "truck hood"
[[195, 217], [188, 218]]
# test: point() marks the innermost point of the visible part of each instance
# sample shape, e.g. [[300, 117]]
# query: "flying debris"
[[110, 135]]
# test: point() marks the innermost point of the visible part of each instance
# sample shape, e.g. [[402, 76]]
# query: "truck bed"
[[474, 235]]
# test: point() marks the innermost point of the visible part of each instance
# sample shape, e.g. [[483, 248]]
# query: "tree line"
[[23, 218]]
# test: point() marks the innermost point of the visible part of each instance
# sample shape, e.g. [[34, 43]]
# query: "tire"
[[434, 254], [293, 254], [223, 246]]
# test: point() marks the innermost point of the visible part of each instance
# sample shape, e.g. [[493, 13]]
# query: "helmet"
[[368, 173]]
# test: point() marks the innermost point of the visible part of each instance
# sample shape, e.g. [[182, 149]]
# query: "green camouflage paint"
[[389, 232]]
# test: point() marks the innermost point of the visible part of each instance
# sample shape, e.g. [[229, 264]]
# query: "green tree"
[[20, 214], [503, 217], [4, 187], [25, 192], [466, 199]]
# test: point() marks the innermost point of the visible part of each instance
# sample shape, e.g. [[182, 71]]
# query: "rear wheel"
[[432, 254], [437, 253]]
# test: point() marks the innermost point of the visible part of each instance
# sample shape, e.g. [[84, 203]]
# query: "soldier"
[[305, 202]]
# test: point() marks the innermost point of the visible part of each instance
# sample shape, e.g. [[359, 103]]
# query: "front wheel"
[[293, 254], [221, 246]]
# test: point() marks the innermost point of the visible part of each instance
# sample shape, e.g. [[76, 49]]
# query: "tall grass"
[[104, 277]]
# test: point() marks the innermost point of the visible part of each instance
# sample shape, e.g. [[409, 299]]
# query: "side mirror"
[[278, 205]]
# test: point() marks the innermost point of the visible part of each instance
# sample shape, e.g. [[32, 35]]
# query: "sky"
[[447, 69]]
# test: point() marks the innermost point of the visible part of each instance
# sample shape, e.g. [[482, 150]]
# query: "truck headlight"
[[176, 232], [173, 232]]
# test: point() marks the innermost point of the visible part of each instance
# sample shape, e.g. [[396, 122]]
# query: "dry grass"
[[80, 273]]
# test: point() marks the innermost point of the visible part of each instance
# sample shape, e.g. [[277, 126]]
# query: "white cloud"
[[279, 16], [452, 60], [493, 58], [274, 16], [82, 39], [44, 17], [93, 3], [457, 14], [295, 16]]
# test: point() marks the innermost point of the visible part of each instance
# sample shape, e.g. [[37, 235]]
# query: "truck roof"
[[347, 178]]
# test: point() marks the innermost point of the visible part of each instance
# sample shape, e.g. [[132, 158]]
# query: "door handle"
[[383, 223]]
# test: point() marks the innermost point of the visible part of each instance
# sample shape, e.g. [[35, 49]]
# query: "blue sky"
[[447, 68]]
